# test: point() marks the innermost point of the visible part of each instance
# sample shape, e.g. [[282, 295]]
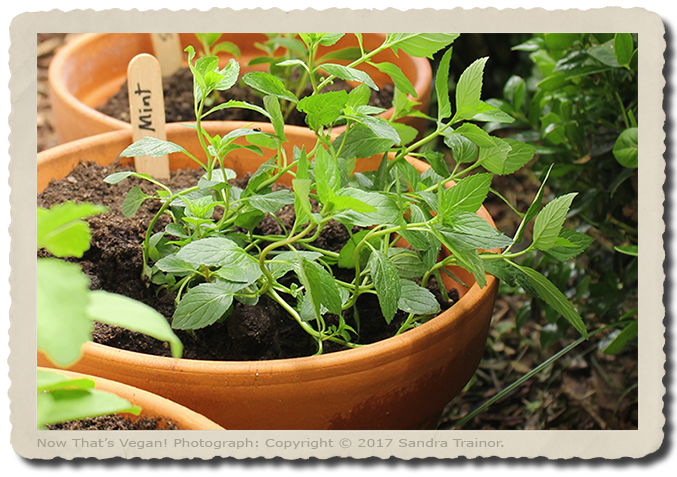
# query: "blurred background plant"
[[574, 98]]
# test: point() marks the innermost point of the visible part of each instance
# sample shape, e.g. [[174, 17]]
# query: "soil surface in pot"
[[178, 96], [114, 423], [114, 263]]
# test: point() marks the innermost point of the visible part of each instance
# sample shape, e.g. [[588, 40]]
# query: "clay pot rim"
[[391, 349], [58, 87], [151, 404]]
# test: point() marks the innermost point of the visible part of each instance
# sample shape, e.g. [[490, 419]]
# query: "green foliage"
[[67, 309], [578, 111], [210, 263]]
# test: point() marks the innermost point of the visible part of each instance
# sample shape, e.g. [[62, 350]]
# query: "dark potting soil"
[[114, 423], [178, 96], [114, 263]]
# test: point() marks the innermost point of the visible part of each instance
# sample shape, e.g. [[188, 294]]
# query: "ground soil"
[[114, 263], [178, 96], [114, 423]]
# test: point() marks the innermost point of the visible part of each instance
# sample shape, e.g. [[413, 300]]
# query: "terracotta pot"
[[92, 68], [403, 382], [152, 405]]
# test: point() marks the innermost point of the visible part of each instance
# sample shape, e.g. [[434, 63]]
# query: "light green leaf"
[[386, 282], [420, 44], [124, 312], [210, 251], [556, 299], [273, 201], [62, 299], [623, 47], [269, 84], [476, 134], [626, 148], [133, 200], [202, 305], [577, 244], [550, 220], [620, 338], [468, 194], [399, 79], [323, 109], [632, 250], [442, 86], [417, 300], [349, 74], [469, 89], [151, 146], [61, 230], [362, 142], [65, 405]]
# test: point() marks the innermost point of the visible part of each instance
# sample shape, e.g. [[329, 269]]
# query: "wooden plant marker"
[[167, 48], [147, 111]]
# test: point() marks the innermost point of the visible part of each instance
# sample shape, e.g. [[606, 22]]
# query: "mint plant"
[[67, 309], [212, 259]]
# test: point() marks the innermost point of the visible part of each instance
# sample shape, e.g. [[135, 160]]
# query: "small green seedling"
[[212, 260]]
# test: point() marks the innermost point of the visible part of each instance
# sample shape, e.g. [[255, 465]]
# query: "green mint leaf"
[[577, 244], [362, 142], [417, 300], [468, 194], [347, 256], [632, 250], [323, 109], [239, 104], [201, 306], [210, 251], [506, 157], [442, 87], [386, 282], [63, 322], [301, 189], [72, 404], [420, 44], [513, 276], [470, 231], [476, 134], [469, 89], [133, 200], [399, 79], [284, 262], [533, 208], [273, 201], [327, 175], [272, 105], [150, 146], [408, 263], [328, 39], [124, 312], [269, 84], [249, 220], [626, 148], [358, 96], [467, 258], [463, 150], [556, 299], [349, 74], [623, 48], [240, 267], [487, 113], [174, 265], [379, 126], [549, 222], [387, 211], [61, 230]]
